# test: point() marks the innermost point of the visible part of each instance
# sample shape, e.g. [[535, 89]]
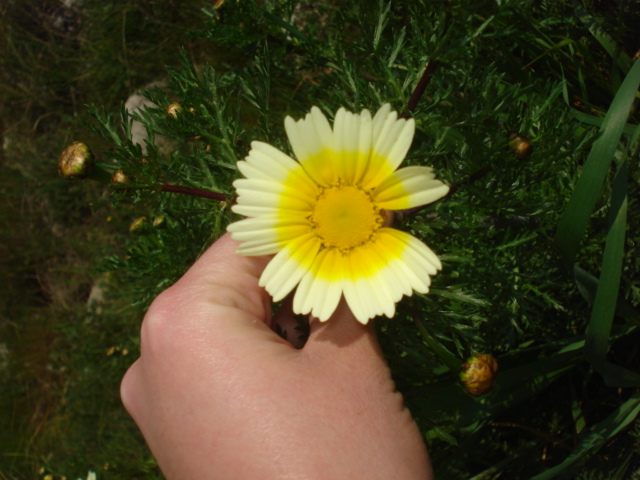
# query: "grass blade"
[[604, 305], [574, 221], [588, 286], [622, 59], [605, 302], [599, 435], [628, 129]]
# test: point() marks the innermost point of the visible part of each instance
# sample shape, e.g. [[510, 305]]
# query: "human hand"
[[218, 394]]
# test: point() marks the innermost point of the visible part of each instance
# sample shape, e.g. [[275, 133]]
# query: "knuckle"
[[159, 326], [128, 388]]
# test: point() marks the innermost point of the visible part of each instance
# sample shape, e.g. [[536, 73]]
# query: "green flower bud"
[[76, 161], [478, 374]]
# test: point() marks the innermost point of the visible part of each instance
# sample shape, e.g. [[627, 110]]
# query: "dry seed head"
[[137, 224], [119, 177], [76, 161], [174, 109], [478, 374], [520, 145]]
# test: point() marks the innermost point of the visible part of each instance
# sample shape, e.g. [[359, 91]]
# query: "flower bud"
[[158, 221], [174, 109], [119, 177], [137, 224], [76, 161], [478, 374], [520, 145]]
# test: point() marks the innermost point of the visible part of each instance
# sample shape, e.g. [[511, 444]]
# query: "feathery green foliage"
[[540, 250]]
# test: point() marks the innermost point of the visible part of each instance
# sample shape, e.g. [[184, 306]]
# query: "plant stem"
[[420, 88], [194, 192], [453, 363]]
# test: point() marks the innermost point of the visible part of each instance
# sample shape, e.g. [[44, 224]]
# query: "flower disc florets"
[[345, 216], [323, 216]]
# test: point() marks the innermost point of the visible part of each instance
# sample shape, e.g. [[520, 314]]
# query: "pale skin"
[[218, 395]]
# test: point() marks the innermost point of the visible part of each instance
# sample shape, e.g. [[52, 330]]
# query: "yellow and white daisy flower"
[[324, 215]]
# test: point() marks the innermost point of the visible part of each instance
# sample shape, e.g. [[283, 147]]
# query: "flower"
[[324, 215]]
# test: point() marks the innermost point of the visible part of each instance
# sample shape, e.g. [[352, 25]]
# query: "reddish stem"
[[194, 192], [420, 88]]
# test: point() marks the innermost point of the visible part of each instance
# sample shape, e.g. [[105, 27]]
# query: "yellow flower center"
[[345, 217]]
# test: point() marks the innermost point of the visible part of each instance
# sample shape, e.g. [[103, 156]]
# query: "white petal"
[[359, 309], [312, 141], [352, 140], [266, 193], [320, 289], [286, 269], [380, 118], [409, 187], [422, 251], [400, 247], [391, 139], [359, 293], [268, 163], [328, 283], [255, 210]]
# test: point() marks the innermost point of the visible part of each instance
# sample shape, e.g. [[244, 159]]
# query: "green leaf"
[[291, 30], [452, 362], [628, 129], [604, 305], [576, 216], [460, 296], [588, 285], [622, 60], [599, 435]]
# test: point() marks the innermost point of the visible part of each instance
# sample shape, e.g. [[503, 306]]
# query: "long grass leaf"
[[588, 285], [622, 59], [605, 302], [574, 221], [628, 129], [598, 436]]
